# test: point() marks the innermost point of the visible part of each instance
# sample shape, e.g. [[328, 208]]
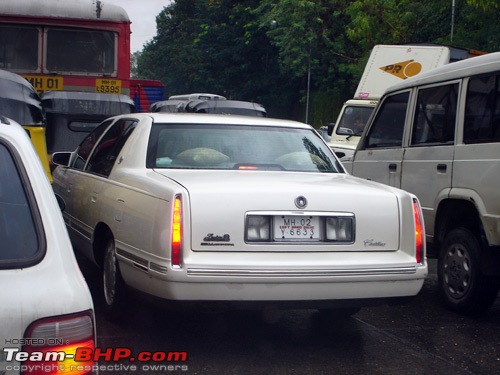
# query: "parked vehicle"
[[198, 207], [386, 66], [224, 107], [437, 136], [20, 102], [197, 96], [45, 304], [71, 115], [169, 105], [174, 102]]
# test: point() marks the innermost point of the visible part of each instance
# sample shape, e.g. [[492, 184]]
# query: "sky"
[[143, 14]]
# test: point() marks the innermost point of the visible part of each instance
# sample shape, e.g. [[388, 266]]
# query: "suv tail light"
[[176, 233], [53, 343], [419, 231]]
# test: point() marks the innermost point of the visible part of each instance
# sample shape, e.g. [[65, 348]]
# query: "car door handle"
[[442, 167], [393, 167]]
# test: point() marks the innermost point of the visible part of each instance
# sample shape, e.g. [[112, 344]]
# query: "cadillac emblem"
[[301, 202]]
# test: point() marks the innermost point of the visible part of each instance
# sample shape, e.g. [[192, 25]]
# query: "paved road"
[[419, 338]]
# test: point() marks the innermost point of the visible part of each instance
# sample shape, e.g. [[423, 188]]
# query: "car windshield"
[[207, 146]]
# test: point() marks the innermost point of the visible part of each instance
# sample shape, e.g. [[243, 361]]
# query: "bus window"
[[88, 51], [19, 50]]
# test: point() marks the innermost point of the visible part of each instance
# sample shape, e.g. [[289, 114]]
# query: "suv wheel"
[[113, 285], [464, 287]]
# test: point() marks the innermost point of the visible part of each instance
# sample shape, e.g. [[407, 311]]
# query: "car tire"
[[464, 287], [113, 286]]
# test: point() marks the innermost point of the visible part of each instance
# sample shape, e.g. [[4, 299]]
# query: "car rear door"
[[71, 184]]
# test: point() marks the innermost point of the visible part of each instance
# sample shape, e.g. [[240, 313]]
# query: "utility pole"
[[452, 19]]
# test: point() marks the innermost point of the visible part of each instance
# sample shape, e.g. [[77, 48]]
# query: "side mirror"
[[345, 131], [61, 158], [330, 127]]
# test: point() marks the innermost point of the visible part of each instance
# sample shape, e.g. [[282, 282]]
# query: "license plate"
[[45, 83], [296, 228], [108, 86]]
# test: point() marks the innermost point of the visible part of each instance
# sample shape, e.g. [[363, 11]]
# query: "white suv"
[[45, 304], [438, 136]]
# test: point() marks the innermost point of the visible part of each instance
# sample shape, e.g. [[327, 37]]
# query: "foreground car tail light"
[[258, 228], [419, 231], [52, 344], [176, 233], [339, 229]]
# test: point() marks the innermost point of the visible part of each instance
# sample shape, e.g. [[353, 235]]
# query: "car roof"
[[456, 70], [166, 105], [198, 105], [202, 118]]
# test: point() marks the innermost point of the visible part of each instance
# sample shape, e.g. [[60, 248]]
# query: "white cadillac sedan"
[[240, 209]]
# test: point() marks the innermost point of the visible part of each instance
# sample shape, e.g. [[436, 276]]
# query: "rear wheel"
[[464, 287], [113, 284]]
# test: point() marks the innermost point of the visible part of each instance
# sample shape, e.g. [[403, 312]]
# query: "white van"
[[437, 135]]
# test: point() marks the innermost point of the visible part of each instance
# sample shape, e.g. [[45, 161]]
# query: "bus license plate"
[[108, 86], [296, 227]]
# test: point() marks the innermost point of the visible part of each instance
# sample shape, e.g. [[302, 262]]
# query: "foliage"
[[266, 50], [216, 46]]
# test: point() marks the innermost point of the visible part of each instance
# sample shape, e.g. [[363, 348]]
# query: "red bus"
[[77, 45]]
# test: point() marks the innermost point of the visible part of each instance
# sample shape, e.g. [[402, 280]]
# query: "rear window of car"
[[21, 240], [189, 146]]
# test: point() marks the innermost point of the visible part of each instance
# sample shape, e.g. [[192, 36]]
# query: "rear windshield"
[[187, 146], [20, 236]]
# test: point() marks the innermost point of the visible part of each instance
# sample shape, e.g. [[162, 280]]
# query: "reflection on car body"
[[197, 207]]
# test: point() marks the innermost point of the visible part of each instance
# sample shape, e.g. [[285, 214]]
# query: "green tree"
[[487, 5], [312, 42], [216, 46], [266, 50]]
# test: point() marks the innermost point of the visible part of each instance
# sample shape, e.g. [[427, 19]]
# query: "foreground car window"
[[238, 147], [19, 242]]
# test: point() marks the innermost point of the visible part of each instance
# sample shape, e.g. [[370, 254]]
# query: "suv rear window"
[[20, 237], [482, 111]]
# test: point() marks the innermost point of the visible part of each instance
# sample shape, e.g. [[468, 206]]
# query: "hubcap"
[[457, 271]]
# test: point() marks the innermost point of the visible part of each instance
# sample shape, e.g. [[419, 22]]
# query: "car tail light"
[[339, 229], [419, 231], [177, 233], [53, 343], [258, 228]]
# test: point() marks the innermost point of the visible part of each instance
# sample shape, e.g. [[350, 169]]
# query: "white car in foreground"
[[45, 304], [242, 209]]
